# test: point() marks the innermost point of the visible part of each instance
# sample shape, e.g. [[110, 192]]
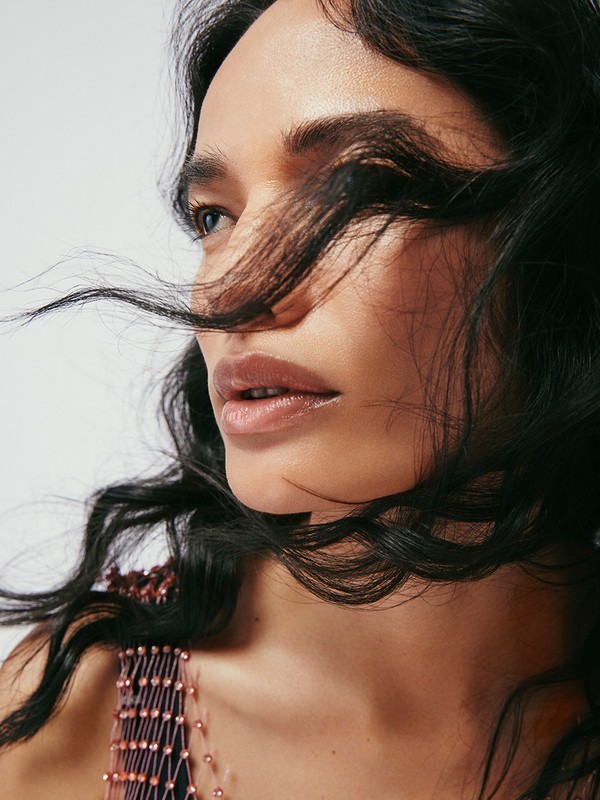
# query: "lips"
[[262, 393]]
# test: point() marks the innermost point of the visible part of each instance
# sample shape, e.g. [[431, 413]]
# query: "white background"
[[87, 126]]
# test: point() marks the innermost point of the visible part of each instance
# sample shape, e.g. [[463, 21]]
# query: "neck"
[[511, 624], [426, 664]]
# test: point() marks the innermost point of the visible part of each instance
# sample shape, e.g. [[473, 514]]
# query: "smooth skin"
[[376, 338], [307, 700]]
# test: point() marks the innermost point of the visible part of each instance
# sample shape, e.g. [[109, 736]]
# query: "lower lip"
[[270, 413]]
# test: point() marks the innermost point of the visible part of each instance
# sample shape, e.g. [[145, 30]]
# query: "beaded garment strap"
[[157, 708]]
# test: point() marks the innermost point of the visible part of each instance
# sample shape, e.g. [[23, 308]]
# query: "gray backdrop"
[[86, 128]]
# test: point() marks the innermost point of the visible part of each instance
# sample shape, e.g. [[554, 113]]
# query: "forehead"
[[294, 65]]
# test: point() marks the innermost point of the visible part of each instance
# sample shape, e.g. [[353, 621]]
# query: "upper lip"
[[234, 375]]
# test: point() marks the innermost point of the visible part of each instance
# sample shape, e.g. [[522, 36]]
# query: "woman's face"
[[349, 427]]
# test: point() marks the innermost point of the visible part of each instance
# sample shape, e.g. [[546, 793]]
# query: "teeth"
[[265, 391]]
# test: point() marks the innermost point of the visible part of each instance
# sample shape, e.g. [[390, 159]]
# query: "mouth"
[[262, 393]]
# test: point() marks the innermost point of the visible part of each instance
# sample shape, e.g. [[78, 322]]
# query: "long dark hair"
[[526, 476]]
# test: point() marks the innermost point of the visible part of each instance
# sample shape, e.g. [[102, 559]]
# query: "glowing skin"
[[375, 338]]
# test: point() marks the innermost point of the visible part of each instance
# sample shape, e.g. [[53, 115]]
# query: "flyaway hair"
[[520, 468]]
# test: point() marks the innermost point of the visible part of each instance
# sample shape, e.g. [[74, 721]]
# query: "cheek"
[[387, 330], [336, 468]]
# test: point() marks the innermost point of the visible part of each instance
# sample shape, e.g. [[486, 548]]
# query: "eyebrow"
[[202, 169], [333, 131], [322, 133]]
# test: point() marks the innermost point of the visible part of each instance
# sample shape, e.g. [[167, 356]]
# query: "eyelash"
[[196, 213]]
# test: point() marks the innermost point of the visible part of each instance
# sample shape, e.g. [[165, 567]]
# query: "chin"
[[269, 494], [274, 485]]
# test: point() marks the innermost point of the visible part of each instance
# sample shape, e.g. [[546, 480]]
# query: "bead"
[[144, 713], [185, 754], [106, 776], [177, 651], [167, 682], [155, 713], [191, 690], [129, 652], [179, 719], [153, 747], [143, 745], [133, 745], [207, 758], [169, 785], [123, 776], [218, 792], [121, 654], [113, 746], [115, 776], [122, 714], [155, 650], [154, 780], [142, 777], [155, 680], [120, 683], [127, 683], [199, 725], [132, 777], [141, 651], [167, 749], [167, 649], [123, 744], [132, 713], [167, 716], [184, 655], [143, 681], [178, 686], [191, 789]]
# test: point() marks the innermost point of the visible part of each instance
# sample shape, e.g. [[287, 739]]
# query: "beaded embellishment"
[[157, 709]]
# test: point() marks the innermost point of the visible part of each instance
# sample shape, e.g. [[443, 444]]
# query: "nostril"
[[261, 321], [293, 307], [285, 312]]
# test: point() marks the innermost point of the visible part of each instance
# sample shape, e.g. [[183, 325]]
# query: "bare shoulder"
[[66, 758]]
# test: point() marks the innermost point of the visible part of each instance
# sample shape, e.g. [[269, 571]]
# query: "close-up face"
[[348, 376]]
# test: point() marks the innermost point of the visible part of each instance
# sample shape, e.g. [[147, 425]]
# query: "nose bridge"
[[257, 222], [211, 291], [246, 234]]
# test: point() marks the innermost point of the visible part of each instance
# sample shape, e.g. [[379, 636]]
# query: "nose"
[[286, 312], [292, 308]]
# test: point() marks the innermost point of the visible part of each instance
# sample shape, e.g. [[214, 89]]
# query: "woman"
[[383, 502]]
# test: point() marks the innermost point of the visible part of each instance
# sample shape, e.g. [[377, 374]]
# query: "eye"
[[208, 220]]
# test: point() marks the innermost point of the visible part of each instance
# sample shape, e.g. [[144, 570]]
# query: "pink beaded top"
[[157, 712]]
